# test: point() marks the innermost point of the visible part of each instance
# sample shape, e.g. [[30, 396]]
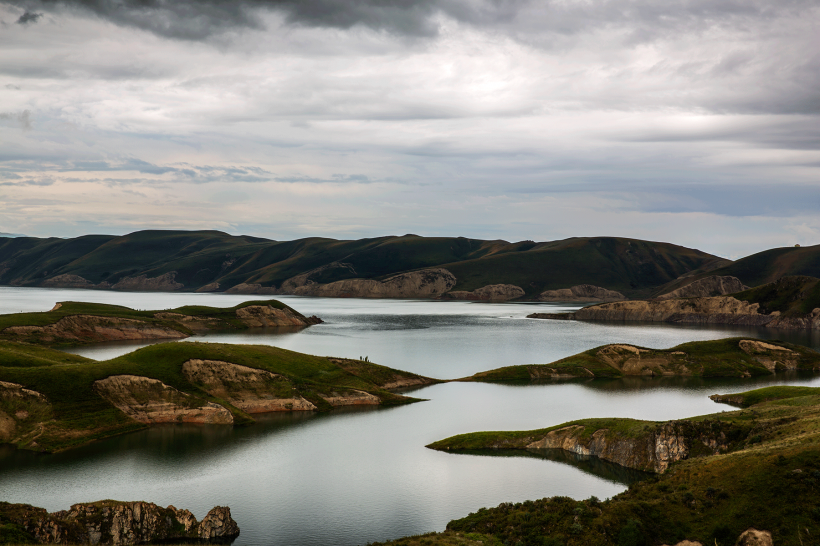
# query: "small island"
[[76, 323]]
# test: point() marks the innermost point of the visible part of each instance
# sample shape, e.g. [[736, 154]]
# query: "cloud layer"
[[689, 121]]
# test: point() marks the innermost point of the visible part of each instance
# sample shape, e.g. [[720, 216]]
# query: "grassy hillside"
[[733, 357], [199, 258], [792, 296], [767, 478], [75, 413], [761, 268]]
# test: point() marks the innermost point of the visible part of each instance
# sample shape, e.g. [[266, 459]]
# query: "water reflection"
[[586, 463]]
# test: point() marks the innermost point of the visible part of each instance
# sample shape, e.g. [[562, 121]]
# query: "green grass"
[[765, 394], [769, 479], [19, 355], [223, 318], [625, 428], [793, 296], [715, 358], [82, 415]]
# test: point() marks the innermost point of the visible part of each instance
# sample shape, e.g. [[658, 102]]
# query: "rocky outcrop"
[[493, 292], [20, 410], [720, 310], [151, 401], [753, 537], [775, 358], [711, 310], [707, 287], [632, 360], [67, 281], [261, 316], [212, 287], [427, 283], [144, 283], [249, 389], [581, 292], [652, 451], [252, 288], [120, 523], [90, 328], [350, 397]]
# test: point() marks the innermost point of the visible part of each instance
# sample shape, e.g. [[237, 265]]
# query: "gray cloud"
[[199, 19], [22, 118], [28, 17]]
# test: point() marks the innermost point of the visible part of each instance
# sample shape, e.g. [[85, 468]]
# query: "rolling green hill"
[[761, 268], [191, 260]]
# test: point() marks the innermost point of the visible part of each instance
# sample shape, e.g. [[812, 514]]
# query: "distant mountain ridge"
[[216, 261]]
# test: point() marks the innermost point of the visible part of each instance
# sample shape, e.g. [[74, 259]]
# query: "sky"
[[694, 122]]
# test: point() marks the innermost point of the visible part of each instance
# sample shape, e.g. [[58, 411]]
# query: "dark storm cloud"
[[199, 19], [28, 17]]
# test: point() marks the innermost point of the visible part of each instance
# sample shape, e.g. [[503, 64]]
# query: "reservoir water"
[[354, 476]]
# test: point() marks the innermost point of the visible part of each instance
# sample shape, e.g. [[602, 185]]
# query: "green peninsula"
[[724, 474], [50, 401], [731, 357]]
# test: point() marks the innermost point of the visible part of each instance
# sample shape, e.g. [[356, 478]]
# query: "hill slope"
[[216, 261]]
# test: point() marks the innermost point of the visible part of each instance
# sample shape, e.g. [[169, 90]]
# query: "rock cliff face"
[[581, 292], [350, 397], [120, 523], [152, 401], [144, 283], [249, 389], [252, 288], [427, 283], [708, 310], [492, 292], [260, 316], [716, 310], [653, 451], [67, 281], [90, 328], [706, 287]]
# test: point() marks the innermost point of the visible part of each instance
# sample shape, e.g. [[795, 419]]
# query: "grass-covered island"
[[51, 401], [716, 476], [731, 357], [73, 323]]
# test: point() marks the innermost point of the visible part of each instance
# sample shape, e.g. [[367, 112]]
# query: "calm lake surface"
[[362, 475]]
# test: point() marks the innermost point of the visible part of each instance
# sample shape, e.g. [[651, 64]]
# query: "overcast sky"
[[690, 121]]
